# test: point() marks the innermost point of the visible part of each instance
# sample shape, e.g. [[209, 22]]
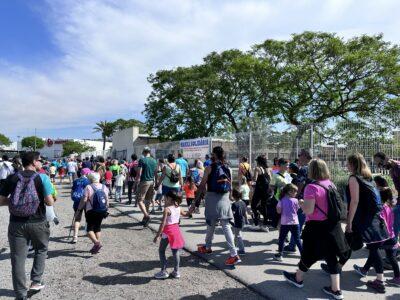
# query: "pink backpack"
[[24, 201]]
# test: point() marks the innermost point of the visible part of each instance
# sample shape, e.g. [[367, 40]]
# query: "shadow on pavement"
[[231, 293], [67, 253], [6, 293]]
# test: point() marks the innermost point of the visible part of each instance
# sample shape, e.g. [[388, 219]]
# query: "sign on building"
[[195, 148]]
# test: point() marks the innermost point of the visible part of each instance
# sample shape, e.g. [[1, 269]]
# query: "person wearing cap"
[[146, 175], [77, 192]]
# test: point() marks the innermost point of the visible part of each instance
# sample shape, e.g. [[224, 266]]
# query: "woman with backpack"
[[261, 195], [218, 178], [364, 217], [323, 238], [171, 177], [95, 203]]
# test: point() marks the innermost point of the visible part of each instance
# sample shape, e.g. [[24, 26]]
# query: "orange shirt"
[[188, 191]]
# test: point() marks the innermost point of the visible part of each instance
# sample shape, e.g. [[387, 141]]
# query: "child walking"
[[239, 208], [170, 233], [245, 190], [190, 190], [288, 207], [119, 183], [108, 180]]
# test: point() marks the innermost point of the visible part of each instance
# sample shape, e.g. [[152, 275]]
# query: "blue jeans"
[[396, 224], [302, 220], [295, 231]]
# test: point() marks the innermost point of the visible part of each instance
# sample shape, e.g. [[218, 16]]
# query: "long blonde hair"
[[318, 170], [360, 167]]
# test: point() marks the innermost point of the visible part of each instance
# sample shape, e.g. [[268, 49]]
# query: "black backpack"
[[132, 172], [337, 209], [247, 173], [174, 176]]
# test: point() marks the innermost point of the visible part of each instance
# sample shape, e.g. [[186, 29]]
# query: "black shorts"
[[93, 220]]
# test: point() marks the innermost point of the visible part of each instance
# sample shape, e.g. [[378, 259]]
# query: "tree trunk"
[[104, 143]]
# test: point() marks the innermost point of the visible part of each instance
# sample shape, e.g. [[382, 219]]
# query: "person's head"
[[199, 165], [357, 165], [304, 157], [243, 159], [276, 161], [296, 161], [207, 157], [380, 182], [218, 154], [5, 157], [85, 171], [283, 165], [243, 180], [87, 158], [189, 180], [94, 177], [101, 159], [236, 195], [289, 190], [134, 157], [173, 198], [161, 161], [171, 158], [386, 195], [180, 155], [31, 160], [293, 168], [115, 162], [261, 161], [381, 160], [146, 151], [318, 170]]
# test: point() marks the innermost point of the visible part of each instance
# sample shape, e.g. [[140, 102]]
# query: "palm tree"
[[106, 129]]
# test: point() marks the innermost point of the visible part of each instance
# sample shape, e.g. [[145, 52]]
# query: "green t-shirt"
[[148, 166], [115, 169]]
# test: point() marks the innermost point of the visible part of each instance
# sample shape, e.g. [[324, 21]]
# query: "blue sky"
[[65, 65]]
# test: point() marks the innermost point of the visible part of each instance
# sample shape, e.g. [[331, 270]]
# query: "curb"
[[229, 273]]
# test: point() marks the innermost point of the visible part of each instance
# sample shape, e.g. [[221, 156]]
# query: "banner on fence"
[[195, 148]]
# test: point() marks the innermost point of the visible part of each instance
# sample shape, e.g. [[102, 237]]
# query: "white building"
[[124, 142]]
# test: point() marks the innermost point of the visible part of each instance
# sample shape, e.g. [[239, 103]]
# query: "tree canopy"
[[314, 77], [4, 141], [74, 147], [106, 129], [30, 141]]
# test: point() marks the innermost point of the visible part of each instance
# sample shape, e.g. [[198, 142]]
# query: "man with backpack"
[[132, 173], [183, 165], [95, 203], [77, 193], [27, 193]]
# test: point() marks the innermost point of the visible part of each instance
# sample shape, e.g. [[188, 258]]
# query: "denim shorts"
[[166, 189]]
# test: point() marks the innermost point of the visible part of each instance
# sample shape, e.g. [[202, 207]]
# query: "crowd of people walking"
[[297, 197]]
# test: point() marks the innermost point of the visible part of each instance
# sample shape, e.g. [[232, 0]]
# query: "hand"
[[349, 228], [156, 238]]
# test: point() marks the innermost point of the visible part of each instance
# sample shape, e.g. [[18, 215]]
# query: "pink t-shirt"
[[388, 216], [319, 194]]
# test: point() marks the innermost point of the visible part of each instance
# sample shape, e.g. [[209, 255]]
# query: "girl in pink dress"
[[170, 233]]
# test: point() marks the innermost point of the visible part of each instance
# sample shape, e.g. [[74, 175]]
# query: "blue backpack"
[[194, 173], [99, 200], [220, 179], [78, 189]]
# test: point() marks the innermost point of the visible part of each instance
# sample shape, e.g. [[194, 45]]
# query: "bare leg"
[[92, 236], [98, 236], [76, 228]]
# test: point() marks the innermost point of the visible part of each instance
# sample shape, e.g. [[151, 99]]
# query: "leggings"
[[259, 207], [390, 255], [163, 259], [374, 258], [226, 228]]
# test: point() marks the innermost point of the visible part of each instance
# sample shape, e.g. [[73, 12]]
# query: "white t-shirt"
[[119, 180], [72, 166], [6, 169]]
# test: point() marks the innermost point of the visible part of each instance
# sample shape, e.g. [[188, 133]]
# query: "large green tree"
[[4, 141], [121, 124], [32, 142], [106, 130], [74, 147]]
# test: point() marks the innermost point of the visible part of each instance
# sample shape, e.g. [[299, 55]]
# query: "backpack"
[[337, 209], [78, 189], [247, 173], [24, 200], [132, 172], [99, 200], [220, 181], [174, 176]]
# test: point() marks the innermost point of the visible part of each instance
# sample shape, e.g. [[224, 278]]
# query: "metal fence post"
[[312, 140]]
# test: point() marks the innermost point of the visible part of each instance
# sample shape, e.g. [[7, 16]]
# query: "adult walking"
[[322, 238], [364, 216], [183, 165], [218, 178], [27, 222], [261, 195], [132, 173], [171, 177], [147, 172]]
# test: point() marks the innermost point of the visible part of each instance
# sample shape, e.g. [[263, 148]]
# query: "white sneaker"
[[161, 275], [264, 228], [175, 274]]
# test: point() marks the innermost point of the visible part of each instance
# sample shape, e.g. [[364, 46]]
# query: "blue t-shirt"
[[183, 165]]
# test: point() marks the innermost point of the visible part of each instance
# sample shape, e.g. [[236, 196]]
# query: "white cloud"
[[111, 46]]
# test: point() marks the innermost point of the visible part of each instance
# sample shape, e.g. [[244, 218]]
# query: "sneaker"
[[360, 271], [197, 211], [232, 260], [74, 240], [203, 250], [395, 281], [36, 286], [336, 295], [242, 252], [161, 275], [175, 274], [289, 249], [291, 278], [264, 228], [96, 248], [31, 250], [145, 221], [56, 221], [377, 285], [278, 257]]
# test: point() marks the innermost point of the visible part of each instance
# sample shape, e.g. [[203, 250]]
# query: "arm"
[[180, 177], [161, 179], [139, 173], [184, 213], [255, 176], [355, 198], [279, 208], [162, 225], [83, 201], [3, 200], [201, 189]]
